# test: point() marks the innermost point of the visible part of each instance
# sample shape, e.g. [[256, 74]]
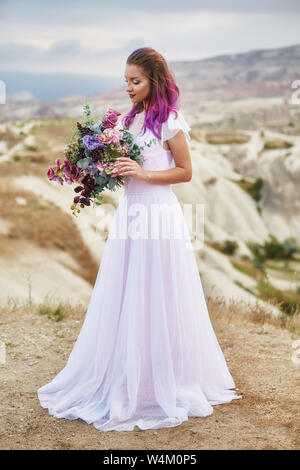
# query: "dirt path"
[[259, 358]]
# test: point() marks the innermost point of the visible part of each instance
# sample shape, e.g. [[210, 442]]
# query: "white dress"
[[147, 354]]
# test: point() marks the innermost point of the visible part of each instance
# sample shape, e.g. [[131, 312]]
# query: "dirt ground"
[[259, 358]]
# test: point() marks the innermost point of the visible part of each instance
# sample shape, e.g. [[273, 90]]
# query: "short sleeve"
[[174, 124]]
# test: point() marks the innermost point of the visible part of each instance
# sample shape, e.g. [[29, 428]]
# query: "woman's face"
[[138, 85]]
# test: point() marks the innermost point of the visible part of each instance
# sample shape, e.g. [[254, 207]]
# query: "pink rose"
[[113, 111], [111, 136], [111, 118]]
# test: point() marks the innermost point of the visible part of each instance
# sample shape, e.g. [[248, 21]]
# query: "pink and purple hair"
[[164, 93]]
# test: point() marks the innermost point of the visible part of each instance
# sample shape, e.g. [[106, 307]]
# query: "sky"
[[95, 37]]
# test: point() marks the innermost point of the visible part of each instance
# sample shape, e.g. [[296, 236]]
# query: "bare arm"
[[183, 169]]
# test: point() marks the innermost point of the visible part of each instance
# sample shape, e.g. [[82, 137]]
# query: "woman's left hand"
[[128, 167]]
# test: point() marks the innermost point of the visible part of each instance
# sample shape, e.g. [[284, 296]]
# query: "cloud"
[[66, 55], [11, 53], [96, 37], [77, 11]]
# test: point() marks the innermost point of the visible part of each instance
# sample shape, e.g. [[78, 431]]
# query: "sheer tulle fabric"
[[173, 124], [147, 354]]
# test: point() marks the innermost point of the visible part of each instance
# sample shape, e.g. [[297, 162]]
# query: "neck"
[[145, 105]]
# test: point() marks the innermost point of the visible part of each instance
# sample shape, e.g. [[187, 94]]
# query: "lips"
[[131, 96]]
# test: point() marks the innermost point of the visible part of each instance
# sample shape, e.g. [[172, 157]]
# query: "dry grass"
[[257, 353], [227, 138], [247, 267], [51, 137], [277, 144], [231, 312], [10, 138], [20, 165], [56, 132], [45, 225], [196, 135], [285, 300]]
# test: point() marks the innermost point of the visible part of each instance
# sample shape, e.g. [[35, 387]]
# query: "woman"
[[147, 354]]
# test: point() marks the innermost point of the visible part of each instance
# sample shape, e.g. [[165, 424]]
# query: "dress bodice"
[[156, 157]]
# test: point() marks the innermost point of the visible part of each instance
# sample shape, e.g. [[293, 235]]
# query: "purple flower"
[[70, 171], [67, 168], [59, 179], [68, 180], [75, 171], [91, 142]]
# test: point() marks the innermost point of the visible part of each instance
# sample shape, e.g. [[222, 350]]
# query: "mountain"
[[52, 86], [257, 73]]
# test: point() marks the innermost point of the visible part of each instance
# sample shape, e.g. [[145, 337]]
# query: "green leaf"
[[83, 163], [101, 179], [111, 184]]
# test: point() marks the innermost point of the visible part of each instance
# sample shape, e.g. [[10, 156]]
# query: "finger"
[[128, 172], [122, 164], [125, 168], [126, 162]]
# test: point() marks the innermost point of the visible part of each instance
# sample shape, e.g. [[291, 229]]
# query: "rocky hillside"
[[247, 180], [265, 373], [225, 78], [257, 73]]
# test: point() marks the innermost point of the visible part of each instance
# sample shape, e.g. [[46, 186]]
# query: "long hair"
[[164, 93]]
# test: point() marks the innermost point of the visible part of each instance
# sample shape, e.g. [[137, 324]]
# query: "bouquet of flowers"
[[90, 158]]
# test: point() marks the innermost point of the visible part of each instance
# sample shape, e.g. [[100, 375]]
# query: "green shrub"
[[211, 181], [230, 247], [277, 144], [227, 138], [279, 250], [289, 303], [31, 148], [272, 249], [254, 189], [53, 313]]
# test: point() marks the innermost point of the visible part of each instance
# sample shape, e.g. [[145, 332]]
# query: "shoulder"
[[174, 123]]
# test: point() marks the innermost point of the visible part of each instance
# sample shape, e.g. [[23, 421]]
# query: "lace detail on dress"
[[135, 127]]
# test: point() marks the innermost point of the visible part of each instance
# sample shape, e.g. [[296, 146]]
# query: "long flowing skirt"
[[147, 354]]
